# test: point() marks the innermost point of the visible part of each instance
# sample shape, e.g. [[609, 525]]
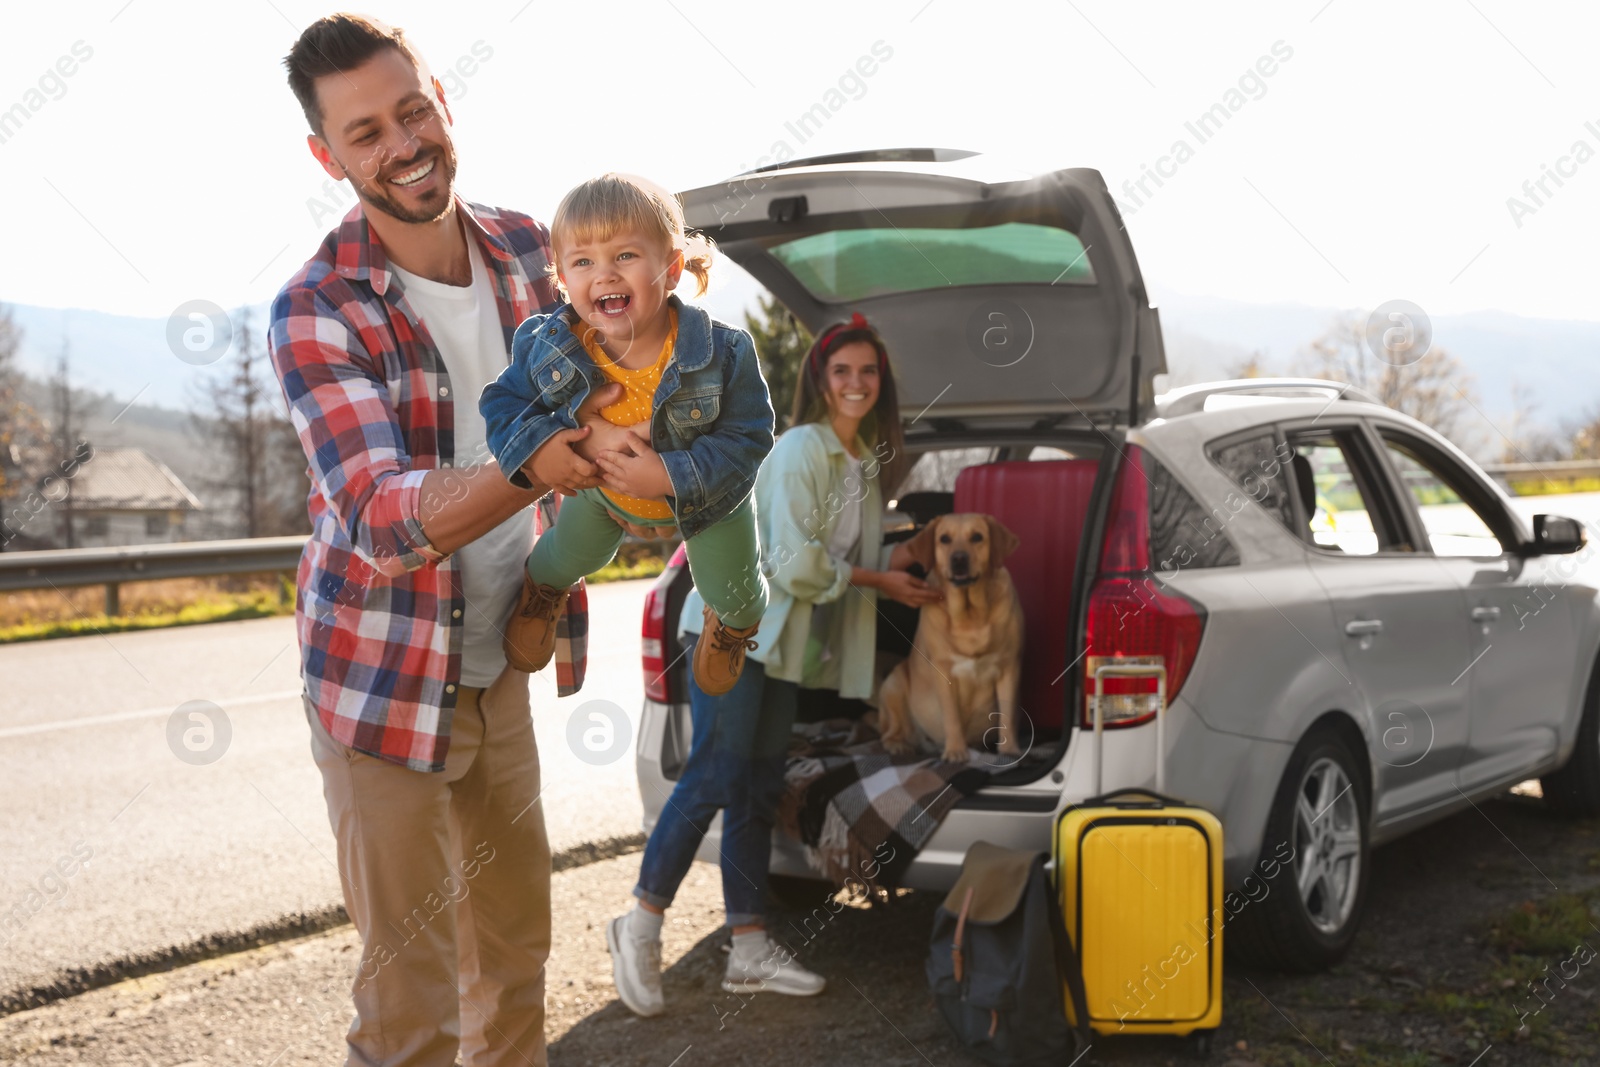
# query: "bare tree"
[[1528, 439], [1436, 388], [69, 414], [238, 416], [40, 452], [18, 422], [20, 433], [1584, 436]]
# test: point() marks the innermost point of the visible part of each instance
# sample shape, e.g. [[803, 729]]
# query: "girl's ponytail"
[[697, 254]]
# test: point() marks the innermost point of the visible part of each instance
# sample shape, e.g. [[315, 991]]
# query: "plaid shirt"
[[379, 610]]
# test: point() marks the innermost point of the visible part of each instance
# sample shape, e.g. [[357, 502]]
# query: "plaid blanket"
[[863, 813]]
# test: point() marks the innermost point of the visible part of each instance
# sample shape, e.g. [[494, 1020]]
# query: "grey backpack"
[[998, 961]]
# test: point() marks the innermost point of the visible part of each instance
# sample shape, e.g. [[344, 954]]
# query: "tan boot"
[[530, 638], [719, 655]]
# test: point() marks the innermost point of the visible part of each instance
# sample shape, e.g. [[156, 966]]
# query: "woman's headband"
[[857, 321]]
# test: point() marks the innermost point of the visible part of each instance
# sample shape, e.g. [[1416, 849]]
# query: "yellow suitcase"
[[1139, 879]]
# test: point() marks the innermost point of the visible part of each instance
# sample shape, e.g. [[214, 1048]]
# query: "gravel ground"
[[1459, 917]]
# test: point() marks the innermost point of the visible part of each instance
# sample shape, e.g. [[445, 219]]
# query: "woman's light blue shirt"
[[803, 487]]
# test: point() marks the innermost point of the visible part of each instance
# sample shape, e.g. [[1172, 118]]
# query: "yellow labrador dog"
[[961, 678]]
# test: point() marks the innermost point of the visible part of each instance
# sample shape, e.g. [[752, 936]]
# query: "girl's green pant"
[[724, 558]]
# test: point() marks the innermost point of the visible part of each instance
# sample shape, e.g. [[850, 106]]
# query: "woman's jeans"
[[735, 764]]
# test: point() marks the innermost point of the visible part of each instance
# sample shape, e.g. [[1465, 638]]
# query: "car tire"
[[1288, 917], [1574, 790]]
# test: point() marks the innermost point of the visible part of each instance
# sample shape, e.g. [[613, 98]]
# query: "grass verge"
[[1552, 486], [223, 608]]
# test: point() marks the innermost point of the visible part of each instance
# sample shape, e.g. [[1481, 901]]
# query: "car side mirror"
[[1556, 535]]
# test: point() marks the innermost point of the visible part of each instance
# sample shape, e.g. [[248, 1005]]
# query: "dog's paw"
[[1011, 748], [955, 754], [898, 746]]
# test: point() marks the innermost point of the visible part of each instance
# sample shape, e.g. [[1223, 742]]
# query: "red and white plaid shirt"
[[380, 609]]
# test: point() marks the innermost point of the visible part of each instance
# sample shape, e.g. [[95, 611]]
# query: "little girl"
[[697, 419]]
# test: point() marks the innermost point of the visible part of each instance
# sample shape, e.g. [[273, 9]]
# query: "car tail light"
[[653, 636], [1131, 618]]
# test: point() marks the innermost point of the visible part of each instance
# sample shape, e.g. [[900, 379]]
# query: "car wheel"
[[1574, 790], [1299, 910]]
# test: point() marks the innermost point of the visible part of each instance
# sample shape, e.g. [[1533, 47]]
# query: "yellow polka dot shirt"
[[637, 405]]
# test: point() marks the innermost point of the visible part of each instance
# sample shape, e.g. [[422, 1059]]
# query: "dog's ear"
[[922, 547], [1002, 542]]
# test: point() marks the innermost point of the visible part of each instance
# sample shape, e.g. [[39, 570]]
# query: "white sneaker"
[[635, 968], [770, 969]]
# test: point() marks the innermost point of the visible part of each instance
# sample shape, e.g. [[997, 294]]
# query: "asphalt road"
[[177, 851]]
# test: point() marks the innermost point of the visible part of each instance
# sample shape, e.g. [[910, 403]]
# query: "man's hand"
[[639, 473], [603, 436], [557, 465]]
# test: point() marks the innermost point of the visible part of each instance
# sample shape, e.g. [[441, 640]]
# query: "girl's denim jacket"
[[712, 419]]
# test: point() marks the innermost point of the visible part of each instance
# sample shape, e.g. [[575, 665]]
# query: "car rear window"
[[1183, 534], [1259, 466], [843, 266]]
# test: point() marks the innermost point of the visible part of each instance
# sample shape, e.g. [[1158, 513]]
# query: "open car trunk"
[[1048, 489], [1016, 296], [1021, 337]]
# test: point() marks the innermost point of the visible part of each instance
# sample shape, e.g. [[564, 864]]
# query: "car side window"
[[1338, 503], [1259, 465], [1184, 534], [1454, 526]]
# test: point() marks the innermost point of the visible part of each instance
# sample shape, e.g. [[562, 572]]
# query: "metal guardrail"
[[68, 567]]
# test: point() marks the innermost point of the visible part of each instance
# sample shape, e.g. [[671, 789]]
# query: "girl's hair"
[[602, 207], [881, 428]]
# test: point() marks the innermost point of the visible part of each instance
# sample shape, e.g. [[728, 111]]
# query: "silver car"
[[1359, 635]]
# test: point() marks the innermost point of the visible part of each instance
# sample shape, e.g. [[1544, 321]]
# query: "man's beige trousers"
[[447, 879]]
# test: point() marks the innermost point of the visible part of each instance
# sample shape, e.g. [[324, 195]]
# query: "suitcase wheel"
[[1200, 1043]]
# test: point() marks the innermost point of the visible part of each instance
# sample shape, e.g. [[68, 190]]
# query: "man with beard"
[[422, 733]]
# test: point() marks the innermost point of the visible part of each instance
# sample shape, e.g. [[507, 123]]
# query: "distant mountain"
[[121, 355], [126, 357], [129, 357]]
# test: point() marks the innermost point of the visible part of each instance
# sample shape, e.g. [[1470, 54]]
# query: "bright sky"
[[1374, 163]]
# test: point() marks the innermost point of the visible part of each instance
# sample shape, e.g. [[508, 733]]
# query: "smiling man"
[[422, 733]]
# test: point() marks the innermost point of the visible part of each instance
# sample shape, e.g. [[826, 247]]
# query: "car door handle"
[[1485, 614], [1363, 627]]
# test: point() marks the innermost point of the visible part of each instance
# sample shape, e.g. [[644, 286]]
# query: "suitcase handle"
[[1154, 799], [1130, 670]]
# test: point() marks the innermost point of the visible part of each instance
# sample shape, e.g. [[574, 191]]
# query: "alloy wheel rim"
[[1327, 845]]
